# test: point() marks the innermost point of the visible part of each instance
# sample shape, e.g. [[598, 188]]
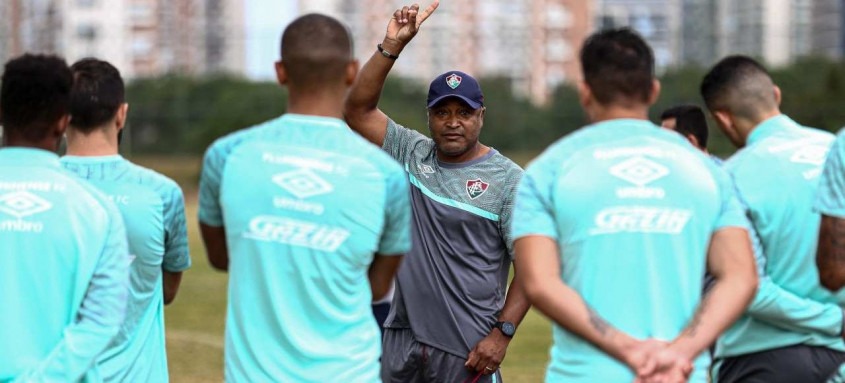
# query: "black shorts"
[[794, 364]]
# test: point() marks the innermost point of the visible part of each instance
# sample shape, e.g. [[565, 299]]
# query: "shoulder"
[[164, 186], [228, 143], [374, 155], [96, 201]]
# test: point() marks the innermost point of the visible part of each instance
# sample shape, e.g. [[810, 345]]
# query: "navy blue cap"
[[455, 84]]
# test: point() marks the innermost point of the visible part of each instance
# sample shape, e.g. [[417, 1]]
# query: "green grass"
[[195, 321]]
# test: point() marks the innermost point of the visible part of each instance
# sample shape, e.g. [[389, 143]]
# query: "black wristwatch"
[[506, 328]]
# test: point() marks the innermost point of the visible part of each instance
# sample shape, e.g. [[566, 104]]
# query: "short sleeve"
[[210, 212], [533, 211], [731, 213], [400, 141], [505, 225], [396, 238], [176, 254], [830, 199]]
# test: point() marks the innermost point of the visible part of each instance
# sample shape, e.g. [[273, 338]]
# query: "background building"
[[141, 37]]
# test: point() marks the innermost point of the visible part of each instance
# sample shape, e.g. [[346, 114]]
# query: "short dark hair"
[[315, 50], [677, 110], [35, 94], [97, 94], [692, 121], [618, 66], [739, 85]]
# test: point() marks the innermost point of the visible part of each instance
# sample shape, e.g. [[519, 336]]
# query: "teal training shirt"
[[776, 176], [632, 208], [153, 209], [830, 199], [305, 203], [63, 270]]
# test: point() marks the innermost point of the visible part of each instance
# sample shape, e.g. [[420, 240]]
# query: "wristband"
[[386, 53]]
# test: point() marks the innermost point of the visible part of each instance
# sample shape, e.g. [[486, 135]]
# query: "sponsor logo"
[[21, 204], [307, 163], [476, 187], [296, 233], [810, 154], [302, 183], [639, 171], [640, 219], [453, 81]]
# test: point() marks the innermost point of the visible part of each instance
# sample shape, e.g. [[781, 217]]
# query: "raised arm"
[[361, 108]]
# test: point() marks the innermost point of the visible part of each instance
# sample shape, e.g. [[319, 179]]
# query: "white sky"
[[265, 21]]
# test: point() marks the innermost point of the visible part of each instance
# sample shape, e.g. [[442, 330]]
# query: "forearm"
[[170, 285], [781, 308], [516, 303], [564, 306], [830, 256], [726, 301]]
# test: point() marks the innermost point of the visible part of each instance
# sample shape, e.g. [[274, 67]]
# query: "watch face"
[[508, 328]]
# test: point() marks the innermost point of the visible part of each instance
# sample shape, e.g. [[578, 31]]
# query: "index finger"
[[427, 12]]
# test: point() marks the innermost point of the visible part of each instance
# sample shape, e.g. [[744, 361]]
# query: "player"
[[689, 121], [64, 263], [776, 176], [154, 212], [614, 225], [295, 209]]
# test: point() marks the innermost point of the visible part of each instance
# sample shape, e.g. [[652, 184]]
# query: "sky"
[[265, 21]]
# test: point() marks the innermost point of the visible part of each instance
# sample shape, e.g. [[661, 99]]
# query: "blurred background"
[[199, 69]]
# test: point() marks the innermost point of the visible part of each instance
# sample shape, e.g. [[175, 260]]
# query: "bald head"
[[741, 87], [315, 51]]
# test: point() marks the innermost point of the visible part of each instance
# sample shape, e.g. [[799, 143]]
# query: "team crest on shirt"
[[476, 187], [453, 81]]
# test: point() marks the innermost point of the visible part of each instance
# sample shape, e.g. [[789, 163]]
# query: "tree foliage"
[[182, 115]]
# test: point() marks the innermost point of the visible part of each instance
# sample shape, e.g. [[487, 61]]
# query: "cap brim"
[[472, 104]]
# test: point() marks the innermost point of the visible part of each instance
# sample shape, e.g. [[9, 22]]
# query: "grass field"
[[195, 321]]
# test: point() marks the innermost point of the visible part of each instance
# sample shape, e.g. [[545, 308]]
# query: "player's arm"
[[177, 256], [210, 212], [214, 239], [830, 257], [99, 317], [730, 261], [361, 107], [538, 266], [381, 274], [781, 308]]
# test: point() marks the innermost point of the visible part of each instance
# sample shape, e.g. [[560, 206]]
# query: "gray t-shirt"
[[451, 287]]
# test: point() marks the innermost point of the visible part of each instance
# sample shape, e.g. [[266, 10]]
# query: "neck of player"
[[601, 113], [101, 141], [327, 103]]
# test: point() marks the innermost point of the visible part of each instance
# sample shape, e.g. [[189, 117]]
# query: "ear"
[[351, 72], [585, 94], [655, 92], [61, 126], [120, 117], [722, 118], [481, 117], [281, 73], [777, 95], [693, 140]]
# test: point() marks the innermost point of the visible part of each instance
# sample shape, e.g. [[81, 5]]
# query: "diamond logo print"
[[639, 171], [23, 203], [302, 183]]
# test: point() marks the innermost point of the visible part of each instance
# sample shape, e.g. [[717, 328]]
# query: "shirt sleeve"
[[100, 315], [533, 212], [176, 253], [400, 141], [781, 308], [210, 212], [396, 238], [506, 222], [830, 198]]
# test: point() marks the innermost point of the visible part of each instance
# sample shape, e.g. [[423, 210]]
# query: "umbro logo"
[[21, 204], [639, 171], [302, 183]]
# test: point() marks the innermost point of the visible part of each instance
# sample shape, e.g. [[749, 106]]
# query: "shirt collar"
[[769, 127], [17, 155], [318, 120], [92, 159]]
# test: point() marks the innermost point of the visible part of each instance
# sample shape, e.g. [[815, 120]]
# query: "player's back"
[[153, 211], [634, 208], [53, 232], [303, 203]]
